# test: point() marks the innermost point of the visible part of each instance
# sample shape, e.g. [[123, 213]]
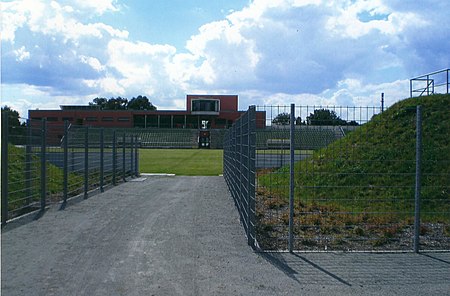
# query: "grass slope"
[[373, 168], [19, 195], [187, 162]]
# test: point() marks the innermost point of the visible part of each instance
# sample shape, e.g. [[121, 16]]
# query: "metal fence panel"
[[45, 163], [353, 189], [239, 169]]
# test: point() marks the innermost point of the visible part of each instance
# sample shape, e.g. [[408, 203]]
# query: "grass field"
[[186, 162]]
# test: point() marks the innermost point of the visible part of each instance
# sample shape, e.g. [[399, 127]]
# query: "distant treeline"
[[119, 103]]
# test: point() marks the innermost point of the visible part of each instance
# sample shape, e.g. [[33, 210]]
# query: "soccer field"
[[185, 162]]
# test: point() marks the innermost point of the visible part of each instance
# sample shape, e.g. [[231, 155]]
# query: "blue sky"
[[308, 52]]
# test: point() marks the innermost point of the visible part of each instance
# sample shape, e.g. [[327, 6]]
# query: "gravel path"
[[182, 236]]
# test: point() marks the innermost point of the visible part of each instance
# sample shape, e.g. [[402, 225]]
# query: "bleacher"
[[306, 137], [167, 138], [147, 138]]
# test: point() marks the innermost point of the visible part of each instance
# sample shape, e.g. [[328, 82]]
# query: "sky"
[[269, 52]]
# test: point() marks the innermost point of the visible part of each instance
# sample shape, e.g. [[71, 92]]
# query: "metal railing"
[[431, 83], [321, 189], [45, 163]]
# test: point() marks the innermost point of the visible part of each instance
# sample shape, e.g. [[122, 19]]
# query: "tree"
[[13, 117], [100, 102], [324, 117], [282, 119], [298, 121], [140, 103], [119, 103], [116, 104], [15, 128]]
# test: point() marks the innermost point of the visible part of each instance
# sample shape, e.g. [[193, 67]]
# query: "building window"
[[91, 118], [107, 119], [67, 118], [52, 118], [123, 119], [205, 105]]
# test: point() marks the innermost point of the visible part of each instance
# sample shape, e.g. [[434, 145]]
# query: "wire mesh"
[[354, 189], [48, 162], [239, 169]]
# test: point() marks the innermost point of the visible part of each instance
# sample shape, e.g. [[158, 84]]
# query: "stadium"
[[201, 125]]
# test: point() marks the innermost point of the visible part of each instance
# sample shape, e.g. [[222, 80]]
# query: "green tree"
[[13, 117], [15, 128], [100, 102], [282, 119], [118, 103], [298, 121], [324, 117], [140, 103]]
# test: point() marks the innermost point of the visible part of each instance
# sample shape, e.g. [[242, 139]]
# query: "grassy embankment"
[[22, 192], [373, 168]]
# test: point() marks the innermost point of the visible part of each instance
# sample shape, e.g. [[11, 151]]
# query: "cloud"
[[22, 54], [98, 6], [296, 47], [269, 52]]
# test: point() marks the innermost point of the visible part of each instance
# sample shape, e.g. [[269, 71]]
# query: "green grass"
[[187, 162], [18, 195], [373, 168]]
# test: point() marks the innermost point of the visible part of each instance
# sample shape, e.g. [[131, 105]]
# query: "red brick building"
[[214, 111]]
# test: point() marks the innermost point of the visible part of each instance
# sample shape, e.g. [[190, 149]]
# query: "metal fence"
[[358, 180], [432, 83], [45, 163], [239, 169]]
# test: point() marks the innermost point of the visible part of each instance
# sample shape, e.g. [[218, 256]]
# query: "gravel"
[[182, 236]]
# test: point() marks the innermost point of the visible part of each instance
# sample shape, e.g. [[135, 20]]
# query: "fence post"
[[28, 162], [241, 175], [86, 162], [448, 77], [66, 161], [251, 175], [291, 180], [131, 155], [102, 154], [123, 158], [418, 178], [136, 157], [410, 88], [43, 163], [114, 156], [4, 168]]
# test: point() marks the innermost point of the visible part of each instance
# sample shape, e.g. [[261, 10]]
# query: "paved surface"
[[182, 236]]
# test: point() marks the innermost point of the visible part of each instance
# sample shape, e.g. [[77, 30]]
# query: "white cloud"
[[50, 18], [15, 15], [269, 52], [99, 6], [93, 62], [24, 97], [106, 85], [22, 54]]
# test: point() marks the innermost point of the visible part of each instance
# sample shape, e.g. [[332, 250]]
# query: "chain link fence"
[[353, 179], [45, 163]]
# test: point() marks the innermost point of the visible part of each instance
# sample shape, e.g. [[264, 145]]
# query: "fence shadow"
[[293, 265], [277, 260]]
